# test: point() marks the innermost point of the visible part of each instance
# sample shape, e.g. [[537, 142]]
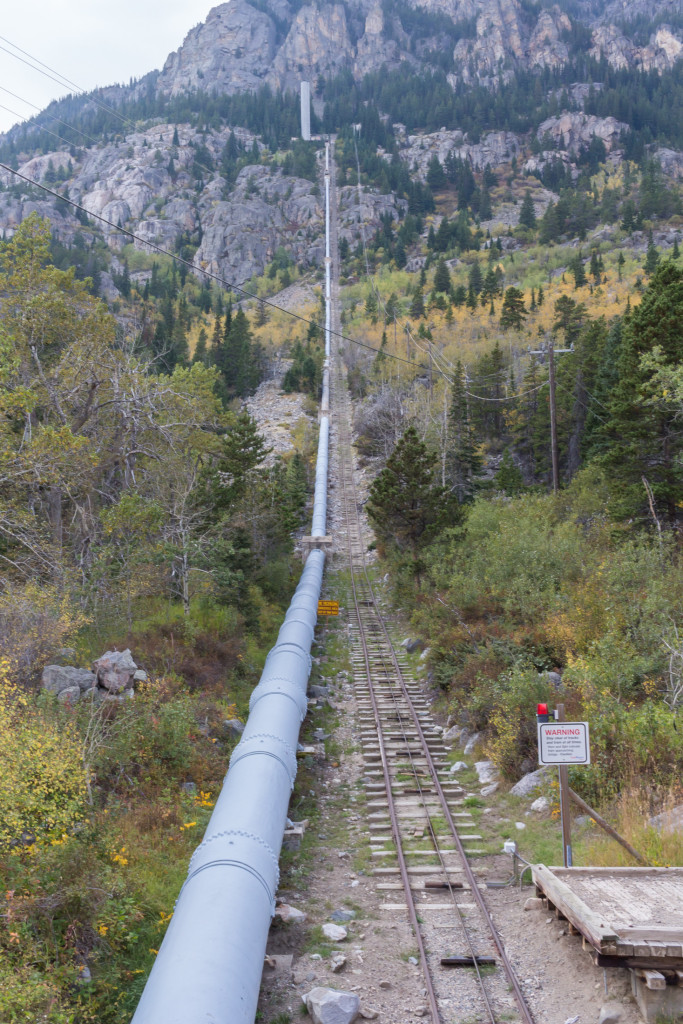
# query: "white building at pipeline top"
[[306, 111]]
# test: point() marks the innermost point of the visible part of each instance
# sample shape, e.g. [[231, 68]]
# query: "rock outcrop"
[[571, 131], [317, 43], [495, 149], [232, 51], [115, 671], [660, 54]]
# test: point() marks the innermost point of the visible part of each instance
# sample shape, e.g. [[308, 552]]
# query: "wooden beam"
[[590, 924], [612, 832], [653, 979]]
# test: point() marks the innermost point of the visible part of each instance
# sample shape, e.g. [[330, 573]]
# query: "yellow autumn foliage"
[[42, 779]]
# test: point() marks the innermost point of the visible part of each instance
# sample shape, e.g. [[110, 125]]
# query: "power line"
[[227, 285], [52, 116], [40, 126], [65, 81]]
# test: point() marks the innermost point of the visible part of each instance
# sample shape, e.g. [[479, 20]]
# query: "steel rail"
[[471, 878], [403, 867], [379, 655], [481, 902]]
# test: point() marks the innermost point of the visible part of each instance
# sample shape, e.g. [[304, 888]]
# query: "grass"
[[631, 819]]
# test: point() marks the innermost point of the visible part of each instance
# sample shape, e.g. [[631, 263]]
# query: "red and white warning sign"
[[563, 743]]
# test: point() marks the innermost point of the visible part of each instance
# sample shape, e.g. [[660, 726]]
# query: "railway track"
[[420, 828]]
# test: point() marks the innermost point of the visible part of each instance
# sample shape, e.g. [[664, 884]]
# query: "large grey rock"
[[669, 821], [487, 771], [574, 130], [610, 1013], [57, 678], [334, 932], [471, 743], [115, 670], [528, 783], [69, 695], [234, 728], [332, 1006], [540, 805]]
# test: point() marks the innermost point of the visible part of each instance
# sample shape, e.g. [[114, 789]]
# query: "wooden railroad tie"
[[468, 961]]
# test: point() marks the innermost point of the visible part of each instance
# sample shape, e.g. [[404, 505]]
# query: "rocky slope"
[[150, 186], [243, 45]]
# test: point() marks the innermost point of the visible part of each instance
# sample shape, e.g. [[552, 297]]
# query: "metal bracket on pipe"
[[309, 544], [265, 744], [243, 850]]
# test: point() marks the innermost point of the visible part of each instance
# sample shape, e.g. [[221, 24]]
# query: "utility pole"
[[553, 418], [554, 457]]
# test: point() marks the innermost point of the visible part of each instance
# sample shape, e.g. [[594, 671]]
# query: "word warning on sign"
[[328, 607], [563, 743]]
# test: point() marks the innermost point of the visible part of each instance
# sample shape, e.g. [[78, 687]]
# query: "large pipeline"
[[208, 969]]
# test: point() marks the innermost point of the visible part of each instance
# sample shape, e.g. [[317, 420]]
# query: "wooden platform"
[[630, 913]]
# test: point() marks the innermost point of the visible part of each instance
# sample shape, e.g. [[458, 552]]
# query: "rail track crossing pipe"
[[208, 969]]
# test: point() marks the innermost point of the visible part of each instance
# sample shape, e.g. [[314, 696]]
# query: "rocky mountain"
[[161, 169], [243, 45]]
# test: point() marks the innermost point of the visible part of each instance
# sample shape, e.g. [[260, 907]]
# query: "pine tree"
[[675, 252], [462, 459], [217, 343], [541, 296], [371, 307], [442, 279], [417, 306], [620, 264], [509, 477], [513, 312], [577, 269], [644, 437], [570, 317], [527, 214], [532, 304], [652, 256], [406, 507], [201, 353], [474, 279]]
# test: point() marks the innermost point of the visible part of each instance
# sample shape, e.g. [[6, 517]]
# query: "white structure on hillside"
[[306, 111]]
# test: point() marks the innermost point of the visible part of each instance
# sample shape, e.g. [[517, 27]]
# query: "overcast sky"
[[91, 42]]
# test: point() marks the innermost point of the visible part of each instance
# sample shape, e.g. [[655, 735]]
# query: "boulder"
[[289, 914], [331, 1006], [140, 676], [458, 767], [62, 677], [490, 789], [451, 734], [471, 743], [487, 771], [540, 805], [610, 1013], [234, 728], [69, 695], [528, 783], [669, 821], [318, 691], [115, 670], [341, 916], [334, 932]]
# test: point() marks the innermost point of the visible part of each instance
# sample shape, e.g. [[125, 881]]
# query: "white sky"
[[91, 42]]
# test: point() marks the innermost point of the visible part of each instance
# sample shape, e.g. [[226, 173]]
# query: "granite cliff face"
[[241, 46]]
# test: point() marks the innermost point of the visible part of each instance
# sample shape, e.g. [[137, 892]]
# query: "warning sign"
[[328, 607], [563, 743]]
